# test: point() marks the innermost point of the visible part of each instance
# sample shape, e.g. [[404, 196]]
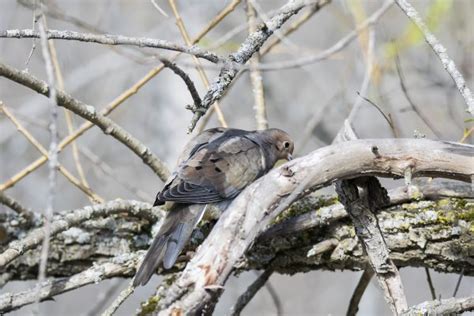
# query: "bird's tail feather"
[[173, 235]]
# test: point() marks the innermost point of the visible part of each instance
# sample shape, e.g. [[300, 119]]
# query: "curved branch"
[[245, 219], [89, 113], [109, 39]]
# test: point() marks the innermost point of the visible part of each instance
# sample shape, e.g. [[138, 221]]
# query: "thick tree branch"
[[70, 219], [89, 113], [109, 39], [429, 241], [244, 220], [362, 198]]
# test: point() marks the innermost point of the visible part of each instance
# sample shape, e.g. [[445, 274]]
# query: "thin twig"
[[110, 39], [52, 153], [359, 292], [183, 75], [430, 283], [458, 283], [104, 297], [385, 116], [466, 135], [33, 45], [440, 51], [292, 28], [347, 132], [157, 7], [68, 115], [251, 45], [256, 75], [119, 300], [135, 88], [68, 175], [338, 46], [413, 105], [247, 296], [197, 63]]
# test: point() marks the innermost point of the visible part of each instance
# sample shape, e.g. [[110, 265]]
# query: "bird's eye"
[[286, 145]]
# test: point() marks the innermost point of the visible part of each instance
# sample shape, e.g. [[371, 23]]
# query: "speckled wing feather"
[[216, 170]]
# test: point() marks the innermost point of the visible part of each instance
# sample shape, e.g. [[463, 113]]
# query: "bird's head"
[[283, 143]]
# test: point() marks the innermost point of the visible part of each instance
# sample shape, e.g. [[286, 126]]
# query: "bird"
[[213, 168]]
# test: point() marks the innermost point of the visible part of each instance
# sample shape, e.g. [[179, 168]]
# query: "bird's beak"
[[289, 157]]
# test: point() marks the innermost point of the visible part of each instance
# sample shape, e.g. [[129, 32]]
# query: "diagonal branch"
[[89, 113], [125, 95], [440, 52], [251, 45], [359, 291]]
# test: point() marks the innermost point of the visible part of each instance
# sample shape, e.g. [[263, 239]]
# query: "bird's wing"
[[217, 170]]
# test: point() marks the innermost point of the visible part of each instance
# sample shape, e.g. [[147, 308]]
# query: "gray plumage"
[[214, 166]]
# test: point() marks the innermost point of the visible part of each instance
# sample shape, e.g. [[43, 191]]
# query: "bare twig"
[[247, 296], [341, 44], [121, 265], [450, 306], [385, 116], [413, 105], [458, 283], [52, 153], [347, 132], [197, 63], [183, 75], [68, 175], [440, 52], [157, 7], [89, 113], [292, 28], [109, 39], [430, 284], [72, 218], [118, 100], [256, 75], [359, 292], [105, 296], [119, 300], [33, 45], [251, 45], [15, 205], [68, 115]]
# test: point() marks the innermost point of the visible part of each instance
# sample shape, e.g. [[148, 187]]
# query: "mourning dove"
[[214, 167]]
